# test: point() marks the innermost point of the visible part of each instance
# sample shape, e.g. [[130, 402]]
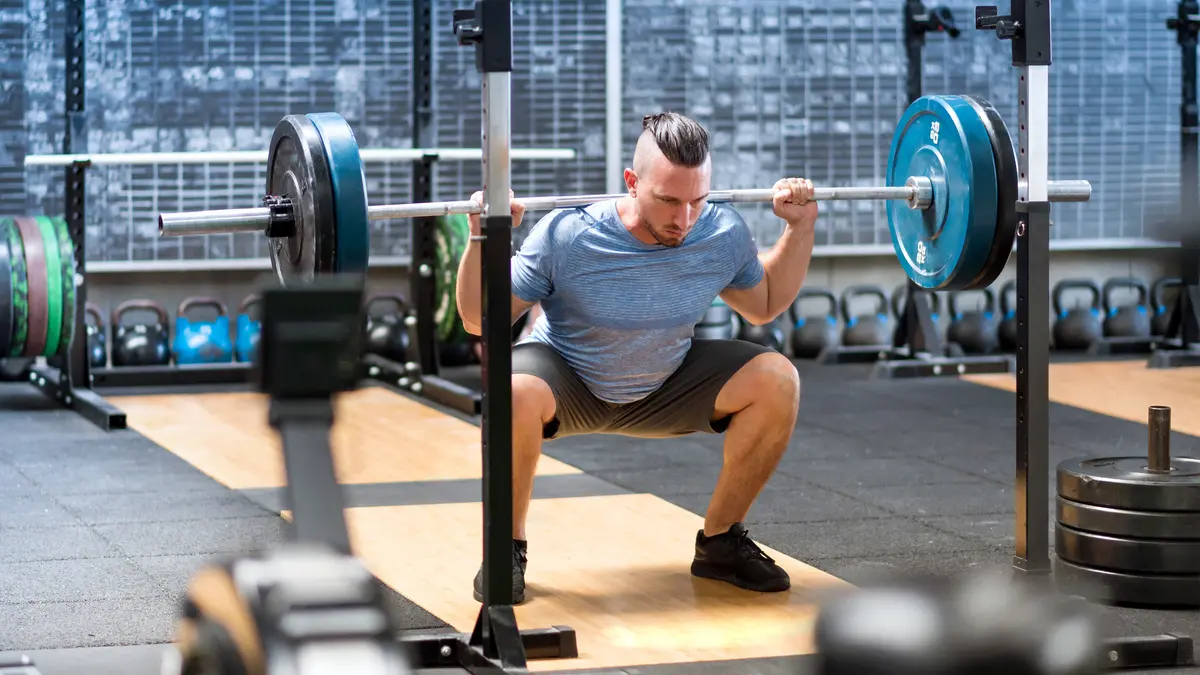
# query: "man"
[[622, 284]]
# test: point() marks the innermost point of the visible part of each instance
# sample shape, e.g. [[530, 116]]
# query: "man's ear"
[[631, 180]]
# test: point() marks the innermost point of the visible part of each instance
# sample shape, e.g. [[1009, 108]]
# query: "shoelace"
[[745, 543]]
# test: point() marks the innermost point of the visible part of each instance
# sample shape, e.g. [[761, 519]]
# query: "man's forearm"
[[467, 292], [786, 265]]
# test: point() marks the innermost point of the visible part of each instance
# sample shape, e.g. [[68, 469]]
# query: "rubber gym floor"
[[100, 531]]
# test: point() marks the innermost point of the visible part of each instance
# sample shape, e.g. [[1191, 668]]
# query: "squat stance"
[[621, 285]]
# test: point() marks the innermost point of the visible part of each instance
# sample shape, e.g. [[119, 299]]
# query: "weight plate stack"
[[450, 237], [1128, 534]]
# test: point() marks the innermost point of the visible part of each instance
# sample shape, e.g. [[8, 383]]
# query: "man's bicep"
[[519, 307]]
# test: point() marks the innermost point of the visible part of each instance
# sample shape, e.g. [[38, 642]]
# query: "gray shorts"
[[682, 405]]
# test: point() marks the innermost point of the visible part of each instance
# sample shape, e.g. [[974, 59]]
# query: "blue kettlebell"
[[248, 331], [199, 342]]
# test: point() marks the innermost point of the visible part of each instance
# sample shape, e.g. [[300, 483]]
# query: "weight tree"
[[1183, 327]]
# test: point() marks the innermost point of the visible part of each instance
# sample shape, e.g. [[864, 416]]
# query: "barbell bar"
[[917, 193]]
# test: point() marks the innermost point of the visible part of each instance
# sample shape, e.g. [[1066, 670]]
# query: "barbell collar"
[[917, 192]]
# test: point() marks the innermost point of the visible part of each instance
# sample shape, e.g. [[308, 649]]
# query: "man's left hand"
[[793, 202]]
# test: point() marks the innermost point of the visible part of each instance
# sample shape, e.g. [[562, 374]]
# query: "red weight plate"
[[39, 287]]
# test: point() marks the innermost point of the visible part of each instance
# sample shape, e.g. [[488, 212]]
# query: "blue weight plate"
[[349, 191], [945, 246], [6, 287]]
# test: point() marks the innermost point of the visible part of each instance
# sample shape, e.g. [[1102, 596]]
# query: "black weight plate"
[[297, 169], [20, 290], [1123, 588], [6, 295], [1125, 554], [39, 285], [1125, 523], [1124, 483], [1007, 180]]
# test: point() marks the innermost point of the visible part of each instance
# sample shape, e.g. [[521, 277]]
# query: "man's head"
[[670, 177]]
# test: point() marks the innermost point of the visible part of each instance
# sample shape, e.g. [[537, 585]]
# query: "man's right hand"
[[517, 208]]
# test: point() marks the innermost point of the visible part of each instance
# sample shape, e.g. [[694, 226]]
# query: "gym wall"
[[786, 88]]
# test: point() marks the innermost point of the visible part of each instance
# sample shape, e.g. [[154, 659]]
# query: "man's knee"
[[773, 377], [532, 399]]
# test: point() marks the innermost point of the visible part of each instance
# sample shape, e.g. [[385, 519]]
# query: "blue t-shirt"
[[619, 310]]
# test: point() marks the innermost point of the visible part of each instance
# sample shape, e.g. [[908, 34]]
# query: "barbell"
[[952, 189]]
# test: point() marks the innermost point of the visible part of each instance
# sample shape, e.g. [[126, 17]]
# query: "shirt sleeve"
[[749, 269], [533, 265]]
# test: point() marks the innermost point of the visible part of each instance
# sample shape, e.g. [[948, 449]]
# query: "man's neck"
[[627, 212]]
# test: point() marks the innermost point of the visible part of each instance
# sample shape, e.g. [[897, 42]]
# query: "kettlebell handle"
[[93, 311], [200, 301], [1086, 284], [1009, 287], [1125, 282], [860, 290], [131, 305], [901, 292], [248, 302], [989, 300], [828, 296], [1156, 291], [394, 298]]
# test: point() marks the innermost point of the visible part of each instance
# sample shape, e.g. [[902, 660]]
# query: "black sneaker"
[[518, 579], [733, 558]]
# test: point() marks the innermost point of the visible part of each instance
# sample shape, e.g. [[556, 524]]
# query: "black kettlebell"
[[900, 297], [870, 329], [141, 344], [1128, 320], [387, 332], [97, 346], [1162, 313], [812, 333], [1078, 327], [769, 335], [1006, 333], [718, 322], [973, 330]]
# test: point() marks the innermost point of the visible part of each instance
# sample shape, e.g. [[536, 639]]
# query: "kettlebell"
[[1162, 313], [1007, 331], [1078, 327], [718, 322], [973, 330], [202, 341], [769, 335], [387, 331], [1128, 320], [248, 330], [812, 333], [96, 341], [140, 344], [900, 297], [870, 329]]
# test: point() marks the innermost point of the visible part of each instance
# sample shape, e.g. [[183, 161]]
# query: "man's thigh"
[[684, 404], [576, 409]]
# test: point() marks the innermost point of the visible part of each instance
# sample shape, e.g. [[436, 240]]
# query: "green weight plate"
[[20, 288], [450, 244], [1007, 180], [1126, 554], [1126, 523], [66, 248], [349, 191], [6, 294], [1127, 588], [35, 274], [54, 290], [1124, 483], [297, 170], [944, 246]]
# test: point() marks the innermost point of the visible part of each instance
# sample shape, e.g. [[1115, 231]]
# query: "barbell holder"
[[917, 192]]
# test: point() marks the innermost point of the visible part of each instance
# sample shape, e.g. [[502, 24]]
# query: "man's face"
[[670, 198]]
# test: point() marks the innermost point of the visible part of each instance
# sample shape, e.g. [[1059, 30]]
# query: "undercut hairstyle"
[[680, 139]]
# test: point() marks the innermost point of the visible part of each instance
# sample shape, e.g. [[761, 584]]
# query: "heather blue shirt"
[[621, 311]]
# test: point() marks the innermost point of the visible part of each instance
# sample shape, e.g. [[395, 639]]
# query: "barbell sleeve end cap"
[[922, 192]]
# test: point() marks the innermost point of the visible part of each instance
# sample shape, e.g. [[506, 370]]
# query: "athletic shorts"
[[682, 405]]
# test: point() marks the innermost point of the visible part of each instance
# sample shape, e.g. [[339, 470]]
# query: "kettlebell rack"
[[1179, 347]]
